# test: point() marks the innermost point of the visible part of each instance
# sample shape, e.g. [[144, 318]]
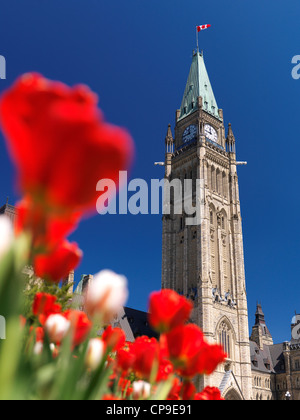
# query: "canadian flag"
[[202, 27]]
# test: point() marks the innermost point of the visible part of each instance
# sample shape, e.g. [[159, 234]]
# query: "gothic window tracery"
[[226, 338]]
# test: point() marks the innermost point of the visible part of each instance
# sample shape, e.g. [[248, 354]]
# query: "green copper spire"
[[198, 84]]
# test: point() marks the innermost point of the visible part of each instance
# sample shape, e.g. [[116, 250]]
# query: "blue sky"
[[136, 55]]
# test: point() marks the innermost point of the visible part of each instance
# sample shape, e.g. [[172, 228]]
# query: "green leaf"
[[163, 389]]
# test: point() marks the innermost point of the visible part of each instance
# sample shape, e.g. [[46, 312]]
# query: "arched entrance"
[[232, 395]]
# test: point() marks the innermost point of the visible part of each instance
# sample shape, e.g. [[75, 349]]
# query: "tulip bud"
[[106, 295], [57, 328], [141, 390], [95, 353]]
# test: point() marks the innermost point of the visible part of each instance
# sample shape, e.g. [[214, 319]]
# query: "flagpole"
[[198, 29]]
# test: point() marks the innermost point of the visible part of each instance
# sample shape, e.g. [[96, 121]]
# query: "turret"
[[169, 141], [260, 332], [230, 140]]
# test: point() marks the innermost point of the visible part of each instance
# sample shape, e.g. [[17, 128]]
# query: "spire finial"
[[169, 140], [230, 139], [169, 132]]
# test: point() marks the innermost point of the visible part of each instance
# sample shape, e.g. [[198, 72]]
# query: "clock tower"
[[205, 262]]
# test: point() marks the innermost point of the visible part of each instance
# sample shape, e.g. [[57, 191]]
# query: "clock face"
[[211, 133], [189, 134]]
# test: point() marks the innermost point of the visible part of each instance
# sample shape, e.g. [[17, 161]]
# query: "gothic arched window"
[[226, 339]]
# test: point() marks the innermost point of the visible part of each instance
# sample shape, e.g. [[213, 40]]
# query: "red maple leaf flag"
[[202, 27]]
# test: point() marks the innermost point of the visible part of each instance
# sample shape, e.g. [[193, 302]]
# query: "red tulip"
[[60, 143], [46, 228], [57, 264], [124, 385], [125, 358], [188, 390], [108, 397], [45, 305], [211, 355], [114, 338], [175, 391], [190, 353], [209, 394], [146, 351], [39, 334], [167, 309], [80, 325], [184, 342], [165, 369]]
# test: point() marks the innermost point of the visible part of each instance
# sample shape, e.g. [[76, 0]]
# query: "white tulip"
[[52, 347], [6, 234], [106, 295], [141, 390], [57, 327], [38, 348], [95, 353]]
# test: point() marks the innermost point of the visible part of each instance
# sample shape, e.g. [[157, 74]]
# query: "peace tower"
[[205, 262]]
